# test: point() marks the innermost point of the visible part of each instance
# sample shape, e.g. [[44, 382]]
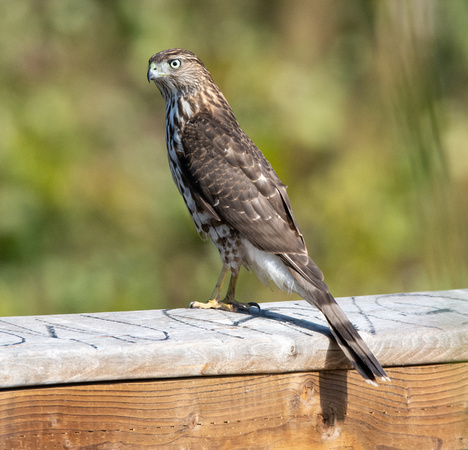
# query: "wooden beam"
[[401, 329], [423, 408], [201, 379]]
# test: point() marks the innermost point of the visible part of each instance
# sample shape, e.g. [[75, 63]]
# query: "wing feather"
[[232, 177]]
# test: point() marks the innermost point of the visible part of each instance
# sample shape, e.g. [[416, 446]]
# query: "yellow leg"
[[231, 292], [214, 302], [229, 303], [220, 283]]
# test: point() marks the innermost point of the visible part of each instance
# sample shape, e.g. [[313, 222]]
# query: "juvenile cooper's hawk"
[[235, 197]]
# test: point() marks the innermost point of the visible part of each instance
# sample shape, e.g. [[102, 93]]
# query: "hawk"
[[236, 198]]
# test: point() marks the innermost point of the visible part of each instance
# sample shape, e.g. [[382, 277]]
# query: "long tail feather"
[[347, 337]]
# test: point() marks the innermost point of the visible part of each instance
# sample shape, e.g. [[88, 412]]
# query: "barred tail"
[[347, 337], [316, 292]]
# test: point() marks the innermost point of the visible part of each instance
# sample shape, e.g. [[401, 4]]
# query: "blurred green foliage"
[[361, 107]]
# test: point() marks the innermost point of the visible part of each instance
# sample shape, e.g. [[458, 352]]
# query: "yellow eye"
[[174, 63]]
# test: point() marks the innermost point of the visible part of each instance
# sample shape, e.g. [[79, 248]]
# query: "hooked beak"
[[150, 74]]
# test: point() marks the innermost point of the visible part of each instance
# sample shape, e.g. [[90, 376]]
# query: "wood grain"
[[425, 407], [401, 329]]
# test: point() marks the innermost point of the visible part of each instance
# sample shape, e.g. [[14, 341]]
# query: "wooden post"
[[211, 379]]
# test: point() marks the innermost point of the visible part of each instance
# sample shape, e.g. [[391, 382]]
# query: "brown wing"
[[226, 171]]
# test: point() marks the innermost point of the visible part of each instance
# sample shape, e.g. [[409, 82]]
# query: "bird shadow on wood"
[[333, 388], [301, 323], [332, 384]]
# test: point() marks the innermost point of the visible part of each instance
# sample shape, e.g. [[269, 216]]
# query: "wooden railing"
[[186, 378]]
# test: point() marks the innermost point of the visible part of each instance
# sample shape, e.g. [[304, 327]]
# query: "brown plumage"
[[235, 197]]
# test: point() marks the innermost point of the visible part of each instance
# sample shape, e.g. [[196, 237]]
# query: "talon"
[[237, 306], [254, 304]]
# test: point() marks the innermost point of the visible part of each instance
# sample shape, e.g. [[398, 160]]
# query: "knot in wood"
[[327, 425]]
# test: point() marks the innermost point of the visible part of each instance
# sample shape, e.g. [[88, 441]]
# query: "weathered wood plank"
[[402, 329], [423, 408]]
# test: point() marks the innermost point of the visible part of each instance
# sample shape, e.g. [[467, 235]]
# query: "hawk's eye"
[[174, 63]]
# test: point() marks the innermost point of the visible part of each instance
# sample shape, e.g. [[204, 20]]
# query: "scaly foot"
[[225, 305]]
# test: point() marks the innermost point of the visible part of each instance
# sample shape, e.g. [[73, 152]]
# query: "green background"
[[361, 107]]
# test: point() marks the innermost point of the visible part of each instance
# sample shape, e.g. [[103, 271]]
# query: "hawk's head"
[[177, 72]]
